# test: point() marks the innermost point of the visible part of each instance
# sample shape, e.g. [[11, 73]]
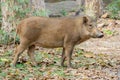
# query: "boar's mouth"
[[100, 36]]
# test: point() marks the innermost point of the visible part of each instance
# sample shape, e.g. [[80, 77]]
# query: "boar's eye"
[[90, 25]]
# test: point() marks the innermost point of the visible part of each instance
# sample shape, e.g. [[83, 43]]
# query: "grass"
[[108, 32]]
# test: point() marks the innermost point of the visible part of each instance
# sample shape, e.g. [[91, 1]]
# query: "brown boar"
[[54, 32]]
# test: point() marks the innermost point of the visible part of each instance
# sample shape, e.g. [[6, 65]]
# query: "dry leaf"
[[89, 55]]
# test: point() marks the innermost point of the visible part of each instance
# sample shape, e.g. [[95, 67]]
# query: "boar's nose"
[[100, 35]]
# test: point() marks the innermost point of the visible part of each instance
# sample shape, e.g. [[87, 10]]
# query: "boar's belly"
[[49, 42]]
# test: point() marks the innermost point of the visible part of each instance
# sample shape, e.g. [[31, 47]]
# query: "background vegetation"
[[114, 9]]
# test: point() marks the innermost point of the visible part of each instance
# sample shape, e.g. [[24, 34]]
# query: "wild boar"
[[53, 33]]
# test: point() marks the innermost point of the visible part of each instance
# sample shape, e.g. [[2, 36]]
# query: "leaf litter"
[[90, 66]]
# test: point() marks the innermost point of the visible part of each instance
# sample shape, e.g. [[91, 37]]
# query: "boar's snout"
[[100, 34]]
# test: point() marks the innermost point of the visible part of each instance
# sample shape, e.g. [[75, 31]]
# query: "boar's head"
[[90, 28]]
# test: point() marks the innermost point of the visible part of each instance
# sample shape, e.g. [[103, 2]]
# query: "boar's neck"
[[82, 34], [84, 37]]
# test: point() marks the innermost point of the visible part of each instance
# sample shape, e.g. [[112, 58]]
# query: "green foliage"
[[3, 74], [63, 12], [79, 52], [108, 32], [59, 72], [20, 9], [20, 66], [6, 38], [114, 9], [23, 1], [40, 13], [8, 53]]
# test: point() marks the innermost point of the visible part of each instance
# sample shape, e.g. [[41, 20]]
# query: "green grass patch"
[[108, 32]]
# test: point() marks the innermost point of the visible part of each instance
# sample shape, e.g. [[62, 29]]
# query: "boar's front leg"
[[63, 57], [68, 54], [31, 54]]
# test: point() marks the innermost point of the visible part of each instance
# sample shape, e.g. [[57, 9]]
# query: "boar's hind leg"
[[63, 57], [18, 52], [68, 54], [31, 54]]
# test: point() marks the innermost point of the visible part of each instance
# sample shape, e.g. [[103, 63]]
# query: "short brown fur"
[[52, 33]]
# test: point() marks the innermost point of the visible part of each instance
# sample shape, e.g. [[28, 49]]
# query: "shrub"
[[114, 9], [63, 12], [6, 38]]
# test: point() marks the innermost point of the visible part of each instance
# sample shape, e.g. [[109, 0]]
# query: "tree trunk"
[[4, 10], [37, 4], [38, 7], [94, 8], [7, 26]]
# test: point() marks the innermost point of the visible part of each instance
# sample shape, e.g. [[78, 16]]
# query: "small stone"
[[101, 25]]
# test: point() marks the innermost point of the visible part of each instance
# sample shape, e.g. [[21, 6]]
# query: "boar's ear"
[[85, 19]]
